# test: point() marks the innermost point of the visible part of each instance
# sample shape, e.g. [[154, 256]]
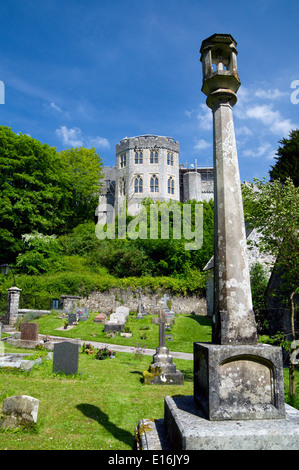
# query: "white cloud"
[[55, 106], [73, 137], [202, 144], [243, 131], [269, 117], [70, 137], [99, 142], [265, 150], [204, 117], [270, 94]]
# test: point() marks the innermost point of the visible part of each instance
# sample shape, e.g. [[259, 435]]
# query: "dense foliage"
[[287, 160], [43, 190]]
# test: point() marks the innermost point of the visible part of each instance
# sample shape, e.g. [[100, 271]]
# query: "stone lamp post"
[[233, 320], [234, 376], [238, 401]]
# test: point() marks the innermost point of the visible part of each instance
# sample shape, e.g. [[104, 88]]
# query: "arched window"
[[154, 158], [123, 160], [169, 159], [138, 158], [154, 184], [170, 185], [138, 185]]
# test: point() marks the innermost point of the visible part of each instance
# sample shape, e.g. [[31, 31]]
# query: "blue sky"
[[93, 72]]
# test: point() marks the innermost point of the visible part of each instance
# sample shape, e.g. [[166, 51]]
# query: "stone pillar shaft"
[[234, 321], [13, 297]]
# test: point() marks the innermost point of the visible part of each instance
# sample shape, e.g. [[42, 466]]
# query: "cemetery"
[[107, 398], [151, 362]]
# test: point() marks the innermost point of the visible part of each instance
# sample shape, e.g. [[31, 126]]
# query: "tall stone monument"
[[228, 372], [238, 400]]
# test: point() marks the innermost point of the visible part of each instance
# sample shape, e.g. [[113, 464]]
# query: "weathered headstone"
[[82, 313], [169, 313], [72, 318], [29, 331], [141, 310], [19, 410], [117, 319], [123, 310], [100, 318], [66, 358]]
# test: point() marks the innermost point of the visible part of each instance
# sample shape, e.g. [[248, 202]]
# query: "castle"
[[148, 166]]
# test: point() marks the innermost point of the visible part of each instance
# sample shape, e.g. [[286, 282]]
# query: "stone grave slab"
[[29, 331], [66, 358]]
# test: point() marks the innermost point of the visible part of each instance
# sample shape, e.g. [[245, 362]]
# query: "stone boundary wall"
[[152, 301]]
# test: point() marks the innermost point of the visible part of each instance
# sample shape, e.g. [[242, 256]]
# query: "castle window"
[[154, 184], [138, 185], [170, 185], [138, 158], [169, 159], [154, 157], [123, 160]]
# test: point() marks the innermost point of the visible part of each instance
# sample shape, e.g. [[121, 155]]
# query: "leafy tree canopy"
[[43, 190], [287, 160], [273, 208]]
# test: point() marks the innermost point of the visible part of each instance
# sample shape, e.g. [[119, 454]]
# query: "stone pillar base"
[[239, 382]]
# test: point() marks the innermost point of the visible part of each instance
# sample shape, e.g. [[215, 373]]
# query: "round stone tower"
[[146, 166]]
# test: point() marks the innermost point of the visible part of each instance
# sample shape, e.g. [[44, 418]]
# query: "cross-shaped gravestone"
[[162, 343]]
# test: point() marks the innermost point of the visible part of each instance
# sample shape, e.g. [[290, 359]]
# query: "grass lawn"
[[101, 406], [98, 409], [186, 330]]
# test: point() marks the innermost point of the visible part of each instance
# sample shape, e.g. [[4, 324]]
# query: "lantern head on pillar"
[[219, 63]]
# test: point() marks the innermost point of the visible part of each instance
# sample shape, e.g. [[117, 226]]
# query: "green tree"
[[30, 190], [82, 181], [43, 190], [42, 254], [274, 211], [287, 160]]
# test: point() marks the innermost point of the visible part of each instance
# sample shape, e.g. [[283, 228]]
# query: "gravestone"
[[18, 410], [117, 320], [72, 318], [123, 310], [168, 313], [100, 318], [66, 358], [29, 331], [82, 313], [163, 368], [141, 310]]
